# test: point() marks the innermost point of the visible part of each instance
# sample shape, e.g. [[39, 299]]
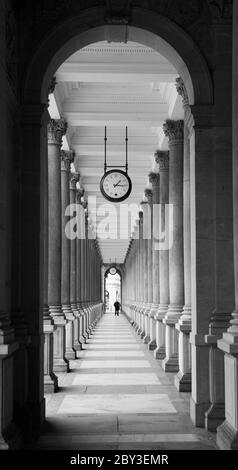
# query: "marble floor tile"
[[116, 379], [118, 397], [132, 364], [112, 354], [113, 346], [116, 404]]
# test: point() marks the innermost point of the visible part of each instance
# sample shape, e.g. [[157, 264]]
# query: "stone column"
[[151, 323], [80, 267], [74, 178], [184, 325], [175, 132], [146, 309], [162, 160], [140, 315], [154, 179], [56, 129], [66, 159], [50, 379], [227, 433]]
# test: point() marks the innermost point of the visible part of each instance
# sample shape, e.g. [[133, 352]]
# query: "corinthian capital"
[[148, 194], [154, 178], [180, 87], [174, 130], [162, 159], [67, 157], [80, 194], [74, 178], [56, 129]]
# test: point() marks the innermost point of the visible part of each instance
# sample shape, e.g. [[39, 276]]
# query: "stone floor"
[[118, 397]]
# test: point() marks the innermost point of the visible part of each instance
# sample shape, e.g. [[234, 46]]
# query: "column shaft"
[[175, 131]]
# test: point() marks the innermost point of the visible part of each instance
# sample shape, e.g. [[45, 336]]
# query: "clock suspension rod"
[[105, 150], [126, 166]]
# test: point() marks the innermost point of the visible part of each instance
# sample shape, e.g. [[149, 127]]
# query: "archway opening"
[[112, 291], [199, 90]]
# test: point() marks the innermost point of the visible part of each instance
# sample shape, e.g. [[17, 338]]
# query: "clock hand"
[[117, 183], [121, 185]]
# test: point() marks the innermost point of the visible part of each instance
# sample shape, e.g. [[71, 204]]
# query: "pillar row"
[[56, 130], [174, 130]]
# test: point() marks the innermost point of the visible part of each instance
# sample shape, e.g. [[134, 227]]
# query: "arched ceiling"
[[115, 85]]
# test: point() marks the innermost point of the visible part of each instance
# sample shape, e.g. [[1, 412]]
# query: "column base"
[[77, 346], [146, 339], [214, 417], [61, 365], [171, 364], [227, 437], [70, 354], [159, 353], [197, 413], [12, 439], [51, 383], [152, 345], [183, 382], [82, 340]]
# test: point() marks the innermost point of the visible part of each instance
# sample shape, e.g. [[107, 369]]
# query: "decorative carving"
[[154, 178], [79, 196], [56, 129], [174, 130], [162, 159], [148, 194], [52, 85], [181, 89], [67, 157], [74, 179], [140, 213]]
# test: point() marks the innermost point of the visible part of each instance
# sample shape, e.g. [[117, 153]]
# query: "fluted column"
[[141, 284], [146, 309], [162, 160], [154, 179], [150, 318], [174, 130], [80, 266], [74, 179], [184, 325], [227, 433], [50, 379], [66, 159], [56, 129]]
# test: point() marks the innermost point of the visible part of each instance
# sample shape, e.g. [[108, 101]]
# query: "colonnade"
[[201, 349], [72, 264]]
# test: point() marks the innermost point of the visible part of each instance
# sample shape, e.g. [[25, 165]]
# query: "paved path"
[[118, 397]]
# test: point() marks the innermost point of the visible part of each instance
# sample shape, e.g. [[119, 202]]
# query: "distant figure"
[[117, 306]]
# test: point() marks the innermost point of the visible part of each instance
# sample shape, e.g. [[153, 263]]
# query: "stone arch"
[[146, 27]]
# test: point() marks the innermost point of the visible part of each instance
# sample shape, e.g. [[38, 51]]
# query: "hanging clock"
[[113, 270], [115, 185]]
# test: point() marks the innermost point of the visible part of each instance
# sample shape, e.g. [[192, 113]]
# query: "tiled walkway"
[[118, 397]]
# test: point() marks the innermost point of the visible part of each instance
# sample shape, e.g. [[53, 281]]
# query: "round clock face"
[[113, 271], [115, 185]]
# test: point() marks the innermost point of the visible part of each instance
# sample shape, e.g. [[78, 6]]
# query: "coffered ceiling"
[[115, 85]]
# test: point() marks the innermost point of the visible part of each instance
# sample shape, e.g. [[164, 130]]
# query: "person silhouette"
[[117, 306]]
